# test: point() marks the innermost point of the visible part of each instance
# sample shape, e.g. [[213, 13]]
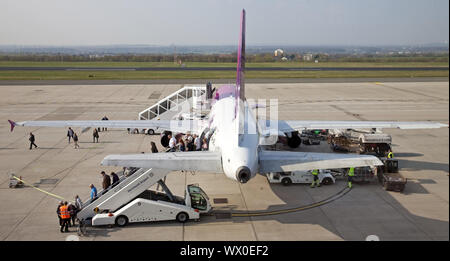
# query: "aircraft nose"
[[243, 174]]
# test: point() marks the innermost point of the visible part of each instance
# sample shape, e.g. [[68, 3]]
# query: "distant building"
[[278, 52], [307, 57]]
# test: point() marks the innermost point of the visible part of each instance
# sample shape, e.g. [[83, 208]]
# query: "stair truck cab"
[[157, 206]]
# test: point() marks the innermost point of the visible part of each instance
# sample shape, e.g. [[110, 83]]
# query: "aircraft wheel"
[[150, 132]]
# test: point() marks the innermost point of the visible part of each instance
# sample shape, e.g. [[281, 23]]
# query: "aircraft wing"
[[207, 161], [289, 126], [194, 126], [280, 161]]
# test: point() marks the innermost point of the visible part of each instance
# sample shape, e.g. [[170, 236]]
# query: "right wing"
[[206, 161], [289, 126], [194, 126], [280, 161]]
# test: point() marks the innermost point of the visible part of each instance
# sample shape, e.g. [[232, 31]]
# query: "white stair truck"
[[157, 206]]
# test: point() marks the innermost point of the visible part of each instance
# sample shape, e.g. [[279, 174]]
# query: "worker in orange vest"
[[65, 217]]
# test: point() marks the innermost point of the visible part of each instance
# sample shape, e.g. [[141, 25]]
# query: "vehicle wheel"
[[286, 181], [182, 217], [121, 221], [150, 132], [327, 181]]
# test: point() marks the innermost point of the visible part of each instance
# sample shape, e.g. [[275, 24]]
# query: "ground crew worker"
[[390, 154], [65, 216], [315, 174], [351, 174]]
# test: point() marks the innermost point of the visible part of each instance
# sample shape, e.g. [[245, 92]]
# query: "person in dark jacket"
[[75, 140], [105, 119], [70, 133], [73, 214], [95, 135], [106, 181], [115, 179], [32, 139], [61, 203]]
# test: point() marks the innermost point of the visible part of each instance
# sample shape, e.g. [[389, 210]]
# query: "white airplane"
[[233, 150]]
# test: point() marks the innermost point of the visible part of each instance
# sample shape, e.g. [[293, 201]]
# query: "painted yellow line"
[[41, 190]]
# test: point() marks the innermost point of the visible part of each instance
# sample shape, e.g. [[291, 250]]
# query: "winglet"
[[13, 124]]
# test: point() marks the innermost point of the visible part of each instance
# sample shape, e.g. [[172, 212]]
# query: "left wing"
[[280, 161], [289, 126], [194, 126]]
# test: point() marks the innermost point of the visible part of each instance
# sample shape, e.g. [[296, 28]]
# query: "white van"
[[287, 178]]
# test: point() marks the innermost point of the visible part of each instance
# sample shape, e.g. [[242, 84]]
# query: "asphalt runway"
[[218, 81], [421, 212], [223, 68]]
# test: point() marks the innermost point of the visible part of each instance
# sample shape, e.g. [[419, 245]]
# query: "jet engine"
[[165, 139], [293, 140]]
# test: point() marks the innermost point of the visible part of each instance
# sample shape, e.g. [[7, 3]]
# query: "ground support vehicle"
[[288, 178]]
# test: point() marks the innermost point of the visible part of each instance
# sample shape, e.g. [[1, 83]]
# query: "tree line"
[[223, 58]]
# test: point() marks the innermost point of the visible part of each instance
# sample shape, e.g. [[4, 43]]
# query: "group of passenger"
[[108, 181], [72, 135], [187, 142], [67, 213]]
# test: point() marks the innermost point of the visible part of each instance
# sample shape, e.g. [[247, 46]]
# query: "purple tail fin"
[[240, 82], [13, 124], [240, 79]]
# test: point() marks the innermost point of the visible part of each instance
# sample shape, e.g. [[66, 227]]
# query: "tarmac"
[[58, 68], [421, 212]]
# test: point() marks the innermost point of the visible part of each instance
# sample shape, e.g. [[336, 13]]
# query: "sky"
[[216, 22]]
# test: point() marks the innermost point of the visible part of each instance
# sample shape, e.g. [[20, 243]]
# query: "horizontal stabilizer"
[[207, 161], [280, 161]]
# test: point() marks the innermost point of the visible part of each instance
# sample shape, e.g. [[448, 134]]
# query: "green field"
[[143, 75], [206, 64]]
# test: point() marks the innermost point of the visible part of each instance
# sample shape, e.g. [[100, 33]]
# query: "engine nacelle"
[[165, 139], [294, 141], [243, 174]]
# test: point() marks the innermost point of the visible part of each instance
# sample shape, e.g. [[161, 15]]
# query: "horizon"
[[289, 22]]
